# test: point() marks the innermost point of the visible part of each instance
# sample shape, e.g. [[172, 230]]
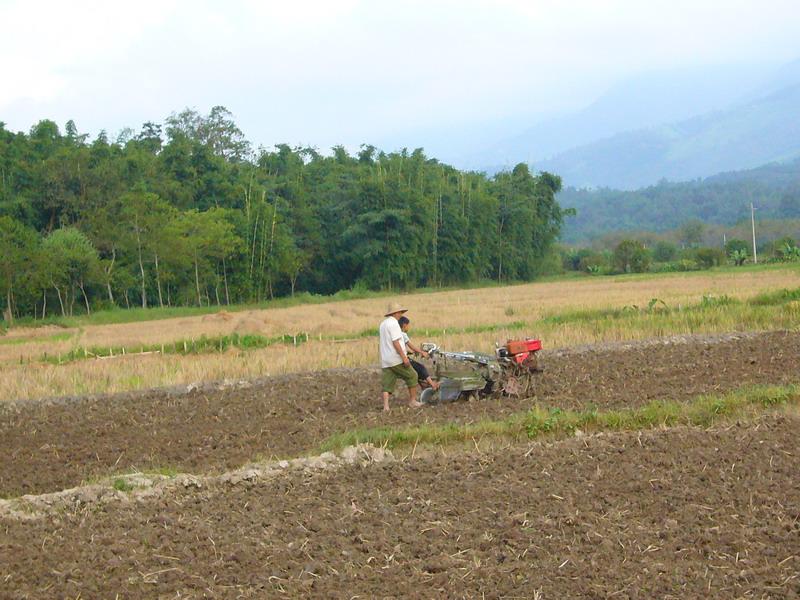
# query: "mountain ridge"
[[745, 136], [722, 199]]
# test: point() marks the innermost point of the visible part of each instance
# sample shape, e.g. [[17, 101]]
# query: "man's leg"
[[412, 397], [388, 381]]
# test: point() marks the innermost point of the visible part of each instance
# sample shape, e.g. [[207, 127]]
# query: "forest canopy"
[[188, 213], [723, 199]]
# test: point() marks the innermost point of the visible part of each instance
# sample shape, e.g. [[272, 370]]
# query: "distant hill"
[[646, 100], [722, 199], [763, 130]]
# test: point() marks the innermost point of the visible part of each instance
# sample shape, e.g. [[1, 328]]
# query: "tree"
[[207, 237], [72, 265], [17, 247], [182, 212], [692, 233], [150, 137], [217, 131], [630, 256], [147, 217]]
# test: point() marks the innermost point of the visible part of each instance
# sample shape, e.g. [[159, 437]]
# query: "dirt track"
[[49, 446], [660, 514]]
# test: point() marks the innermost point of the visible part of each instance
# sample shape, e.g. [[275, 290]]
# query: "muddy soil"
[[680, 513], [52, 445]]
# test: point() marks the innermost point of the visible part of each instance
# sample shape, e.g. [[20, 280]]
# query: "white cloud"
[[43, 41], [324, 71]]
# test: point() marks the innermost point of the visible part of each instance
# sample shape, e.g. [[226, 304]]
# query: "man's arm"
[[398, 345], [415, 349]]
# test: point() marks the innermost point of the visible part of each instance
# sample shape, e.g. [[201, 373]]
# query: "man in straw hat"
[[394, 360]]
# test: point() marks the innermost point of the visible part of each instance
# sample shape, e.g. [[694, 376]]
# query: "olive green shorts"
[[390, 375]]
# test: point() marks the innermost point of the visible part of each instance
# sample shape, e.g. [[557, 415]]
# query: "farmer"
[[394, 360], [422, 371]]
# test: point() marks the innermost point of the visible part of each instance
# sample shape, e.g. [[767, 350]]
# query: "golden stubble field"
[[457, 309]]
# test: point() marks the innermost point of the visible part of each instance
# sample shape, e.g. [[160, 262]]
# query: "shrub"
[[710, 257], [630, 256], [735, 245], [664, 252], [790, 253], [738, 257], [584, 259], [594, 263]]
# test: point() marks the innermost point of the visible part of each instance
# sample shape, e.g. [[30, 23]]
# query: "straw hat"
[[394, 307]]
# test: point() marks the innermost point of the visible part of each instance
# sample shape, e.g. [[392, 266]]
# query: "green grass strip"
[[769, 310], [203, 345], [775, 298], [17, 341], [703, 411]]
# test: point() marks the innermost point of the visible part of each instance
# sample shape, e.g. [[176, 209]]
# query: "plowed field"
[[673, 513], [660, 514], [50, 446]]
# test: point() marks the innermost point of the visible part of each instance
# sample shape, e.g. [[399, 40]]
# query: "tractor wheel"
[[429, 396]]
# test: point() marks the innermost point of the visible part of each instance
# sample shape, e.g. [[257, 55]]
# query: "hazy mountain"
[[644, 101], [749, 134], [784, 76]]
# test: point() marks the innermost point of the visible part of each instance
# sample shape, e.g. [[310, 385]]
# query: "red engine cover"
[[523, 346]]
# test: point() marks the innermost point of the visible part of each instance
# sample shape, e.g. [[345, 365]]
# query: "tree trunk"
[[60, 301], [85, 299], [253, 252], [141, 269], [158, 282], [271, 243], [108, 275], [500, 250], [44, 303], [197, 281], [9, 313], [225, 279]]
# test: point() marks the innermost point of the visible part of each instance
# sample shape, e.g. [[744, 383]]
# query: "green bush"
[[630, 256], [665, 252], [710, 257], [735, 245], [594, 263]]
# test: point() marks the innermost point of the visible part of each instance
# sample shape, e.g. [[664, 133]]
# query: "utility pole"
[[753, 223]]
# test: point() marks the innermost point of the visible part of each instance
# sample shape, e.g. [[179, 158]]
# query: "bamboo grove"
[[186, 213]]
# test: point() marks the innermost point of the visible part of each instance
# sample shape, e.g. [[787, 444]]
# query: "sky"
[[326, 72]]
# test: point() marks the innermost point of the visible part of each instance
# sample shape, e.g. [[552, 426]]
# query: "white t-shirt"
[[390, 331]]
